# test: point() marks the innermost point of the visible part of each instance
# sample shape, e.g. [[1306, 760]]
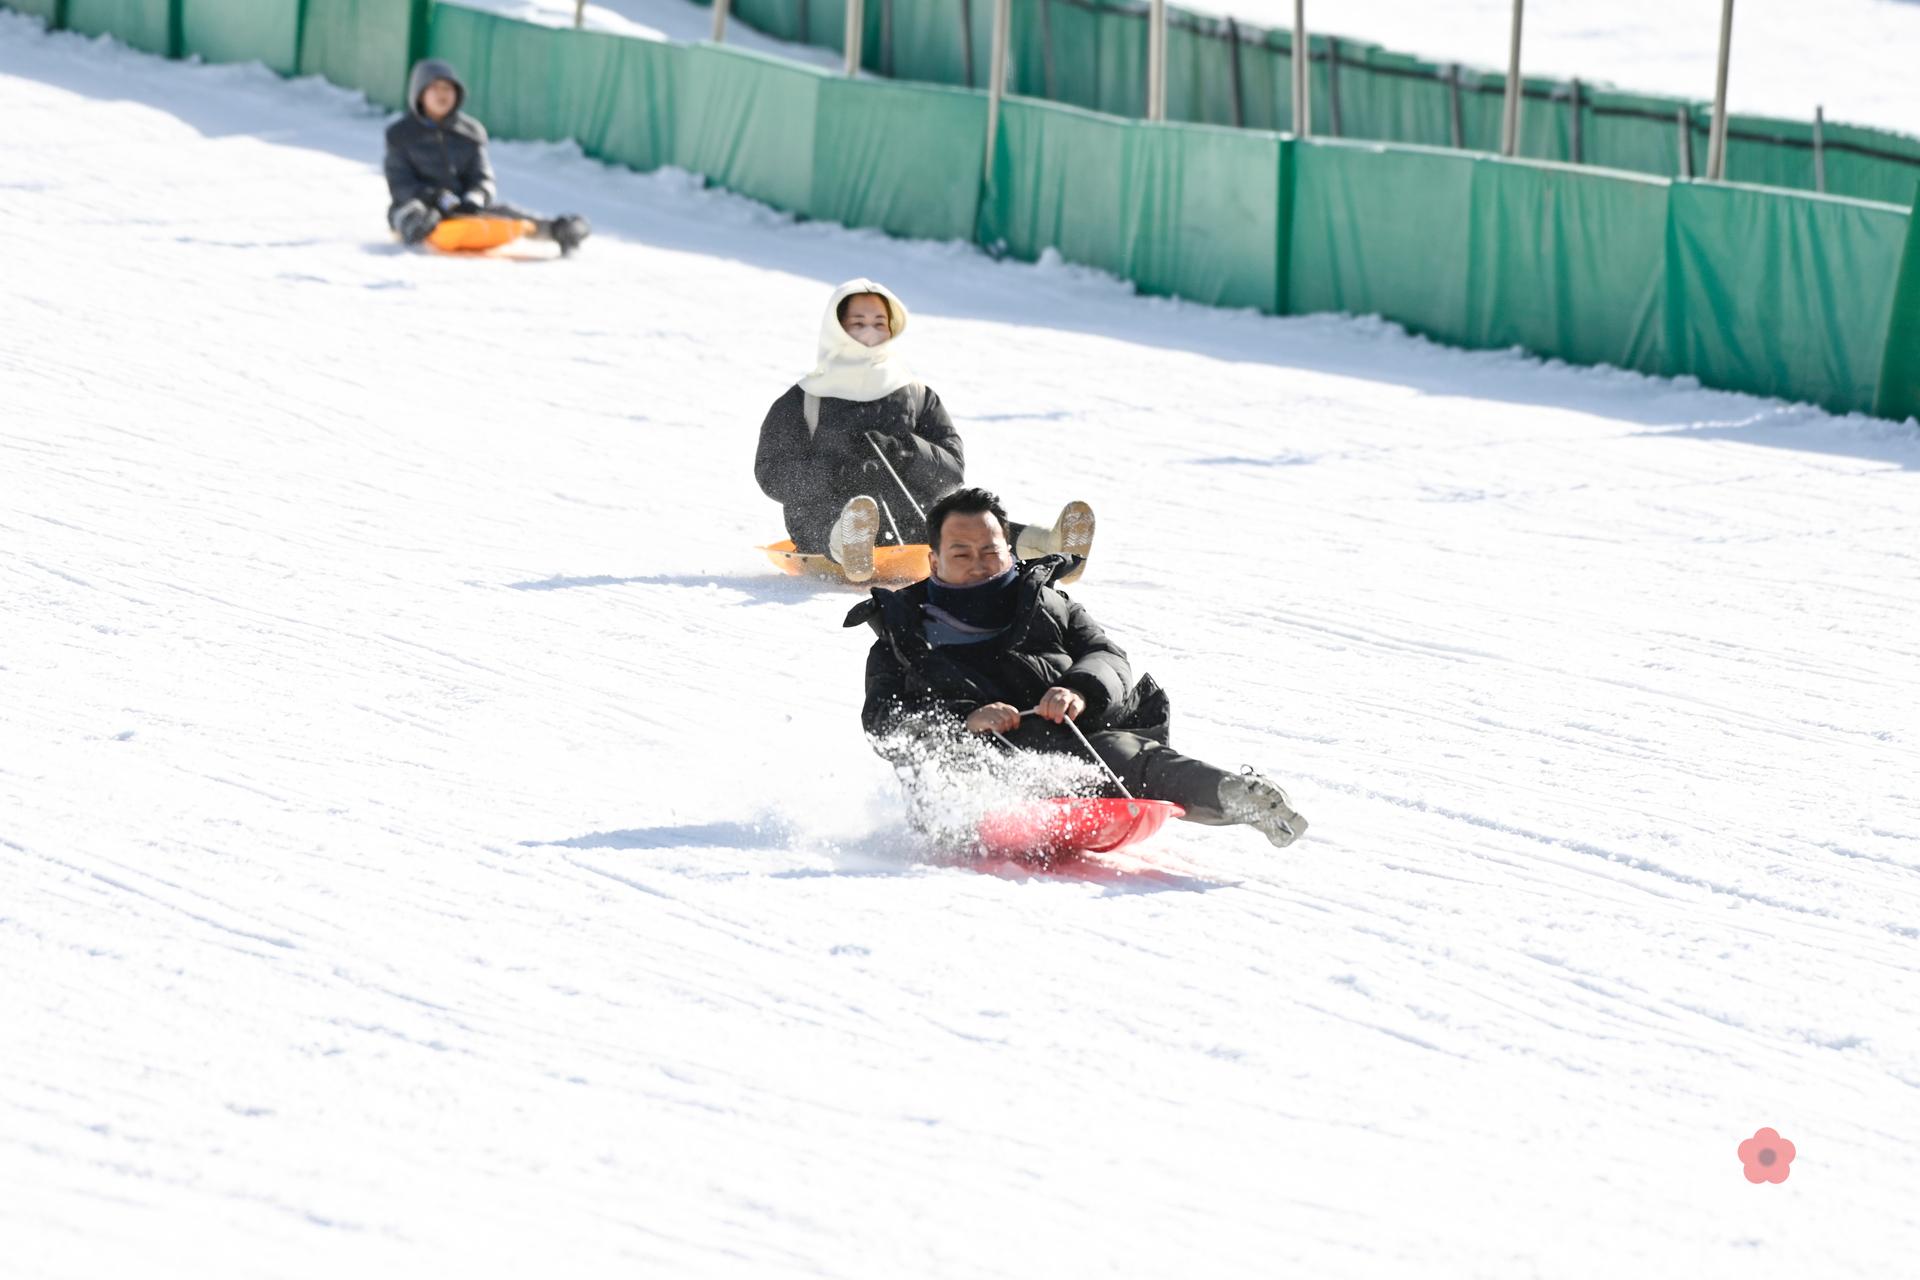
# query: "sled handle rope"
[[1105, 768], [908, 493]]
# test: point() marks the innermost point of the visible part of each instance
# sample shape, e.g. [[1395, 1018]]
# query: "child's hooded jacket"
[[425, 157]]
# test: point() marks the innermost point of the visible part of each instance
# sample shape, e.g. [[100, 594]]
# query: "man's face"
[[866, 320], [972, 549], [438, 99]]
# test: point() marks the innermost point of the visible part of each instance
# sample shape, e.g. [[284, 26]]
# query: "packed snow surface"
[[434, 841]]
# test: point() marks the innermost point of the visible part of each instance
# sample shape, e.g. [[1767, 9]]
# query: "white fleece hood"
[[848, 371]]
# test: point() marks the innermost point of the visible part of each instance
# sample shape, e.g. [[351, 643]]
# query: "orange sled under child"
[[477, 235], [906, 563]]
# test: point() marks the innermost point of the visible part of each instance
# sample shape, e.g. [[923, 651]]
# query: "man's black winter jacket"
[[1052, 641]]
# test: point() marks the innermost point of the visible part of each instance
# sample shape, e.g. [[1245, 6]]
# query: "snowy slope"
[[432, 841], [1855, 57], [652, 20]]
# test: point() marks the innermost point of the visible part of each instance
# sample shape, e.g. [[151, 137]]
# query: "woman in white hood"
[[839, 447]]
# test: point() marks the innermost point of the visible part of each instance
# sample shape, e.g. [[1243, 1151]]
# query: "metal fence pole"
[[1820, 149], [580, 14], [1717, 138], [1456, 125], [1046, 49], [1578, 141], [997, 75], [1233, 67], [1333, 85], [720, 8], [1157, 59], [966, 40], [1301, 55], [856, 34], [1510, 115], [1686, 141]]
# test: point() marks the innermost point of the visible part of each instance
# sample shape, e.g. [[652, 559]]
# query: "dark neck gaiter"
[[971, 615]]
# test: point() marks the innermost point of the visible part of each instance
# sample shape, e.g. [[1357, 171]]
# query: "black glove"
[[473, 202], [415, 222], [445, 201], [898, 448]]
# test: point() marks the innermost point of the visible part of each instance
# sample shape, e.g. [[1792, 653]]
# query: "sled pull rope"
[[908, 493], [1112, 777]]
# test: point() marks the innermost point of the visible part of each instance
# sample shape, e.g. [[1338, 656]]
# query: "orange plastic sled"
[[890, 564], [477, 235]]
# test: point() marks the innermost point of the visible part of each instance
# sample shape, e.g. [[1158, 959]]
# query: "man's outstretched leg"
[[1210, 795]]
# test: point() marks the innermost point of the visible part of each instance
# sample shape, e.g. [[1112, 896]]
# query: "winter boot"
[[1071, 534], [850, 541], [567, 231], [1250, 799]]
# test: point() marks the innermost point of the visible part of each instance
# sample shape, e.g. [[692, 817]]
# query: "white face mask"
[[866, 331], [861, 366]]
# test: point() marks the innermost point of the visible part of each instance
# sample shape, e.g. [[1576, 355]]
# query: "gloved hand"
[[446, 201], [898, 448], [473, 202], [415, 222]]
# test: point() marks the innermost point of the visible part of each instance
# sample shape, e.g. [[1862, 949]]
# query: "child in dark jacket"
[[437, 165]]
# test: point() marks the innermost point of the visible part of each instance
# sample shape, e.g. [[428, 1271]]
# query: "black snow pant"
[[1147, 767]]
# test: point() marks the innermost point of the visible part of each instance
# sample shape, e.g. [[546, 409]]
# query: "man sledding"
[[990, 646], [440, 178], [856, 450]]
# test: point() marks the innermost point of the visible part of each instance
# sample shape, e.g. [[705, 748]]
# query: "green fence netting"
[[907, 159], [1092, 54], [1569, 263], [747, 122], [1184, 210], [242, 31], [48, 9], [144, 24], [1363, 242], [1782, 297], [367, 45], [1899, 392], [611, 94]]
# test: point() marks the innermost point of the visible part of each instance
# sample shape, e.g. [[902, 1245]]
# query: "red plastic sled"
[[1070, 825]]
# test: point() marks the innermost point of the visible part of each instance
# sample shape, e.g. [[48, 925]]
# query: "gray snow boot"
[[568, 231], [1071, 534], [1251, 799], [850, 541]]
